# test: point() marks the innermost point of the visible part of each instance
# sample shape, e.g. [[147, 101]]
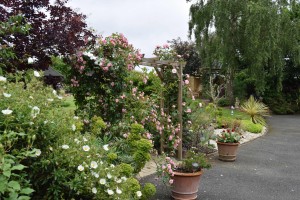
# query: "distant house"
[[53, 77]]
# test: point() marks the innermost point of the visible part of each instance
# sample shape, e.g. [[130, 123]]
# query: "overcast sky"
[[145, 23]]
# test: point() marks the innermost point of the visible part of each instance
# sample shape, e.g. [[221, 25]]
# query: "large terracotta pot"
[[185, 185], [227, 151]]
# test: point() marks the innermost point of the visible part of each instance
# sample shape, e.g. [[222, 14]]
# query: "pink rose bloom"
[[188, 110], [157, 46], [186, 82], [187, 76], [171, 137], [112, 84], [109, 65], [166, 46], [123, 110], [163, 167], [183, 103], [125, 135], [117, 100], [145, 80], [193, 97], [134, 90], [171, 181], [105, 69]]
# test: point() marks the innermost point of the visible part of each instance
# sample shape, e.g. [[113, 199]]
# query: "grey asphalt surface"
[[267, 168]]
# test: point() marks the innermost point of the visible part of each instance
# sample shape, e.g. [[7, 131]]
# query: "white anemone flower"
[[105, 147], [65, 146], [86, 148], [110, 192], [2, 79], [35, 111], [31, 60], [109, 176], [139, 193], [50, 100], [73, 127], [36, 74], [84, 139], [94, 165], [38, 152], [174, 71], [7, 111], [80, 168], [59, 97], [102, 181], [94, 190], [6, 95], [118, 191]]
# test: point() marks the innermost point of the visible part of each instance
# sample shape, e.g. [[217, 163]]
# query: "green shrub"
[[148, 191], [249, 126], [224, 102]]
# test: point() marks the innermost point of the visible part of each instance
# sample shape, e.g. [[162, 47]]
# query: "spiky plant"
[[256, 110]]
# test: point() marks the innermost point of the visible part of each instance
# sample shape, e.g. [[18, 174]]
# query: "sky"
[[145, 23]]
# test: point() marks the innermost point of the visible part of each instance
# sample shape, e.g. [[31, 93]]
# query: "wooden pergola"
[[157, 64]]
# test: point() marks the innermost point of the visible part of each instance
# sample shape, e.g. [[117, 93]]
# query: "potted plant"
[[228, 143], [184, 177]]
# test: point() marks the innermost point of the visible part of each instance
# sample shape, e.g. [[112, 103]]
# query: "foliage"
[[12, 25], [228, 136], [252, 37], [55, 29], [47, 155], [249, 126], [256, 110], [98, 77], [187, 50], [223, 102]]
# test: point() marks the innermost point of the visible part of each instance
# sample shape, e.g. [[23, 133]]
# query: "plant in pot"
[[228, 143], [184, 177]]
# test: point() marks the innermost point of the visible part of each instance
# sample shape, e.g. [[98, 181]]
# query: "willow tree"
[[243, 35]]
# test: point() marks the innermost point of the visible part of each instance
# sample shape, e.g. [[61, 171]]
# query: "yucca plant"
[[256, 110]]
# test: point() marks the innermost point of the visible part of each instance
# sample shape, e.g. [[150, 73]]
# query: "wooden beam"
[[179, 155]]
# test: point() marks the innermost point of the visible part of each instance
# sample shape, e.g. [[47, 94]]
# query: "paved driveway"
[[267, 168]]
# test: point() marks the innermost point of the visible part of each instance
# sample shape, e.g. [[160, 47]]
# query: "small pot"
[[227, 151], [185, 185]]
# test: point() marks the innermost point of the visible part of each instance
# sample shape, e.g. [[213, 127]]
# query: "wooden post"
[[180, 111]]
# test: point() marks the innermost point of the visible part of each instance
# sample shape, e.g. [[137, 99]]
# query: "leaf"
[[26, 191], [23, 198], [2, 186], [7, 173], [15, 185], [18, 167]]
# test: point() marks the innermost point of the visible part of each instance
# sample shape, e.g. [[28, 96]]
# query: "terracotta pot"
[[227, 151], [185, 185]]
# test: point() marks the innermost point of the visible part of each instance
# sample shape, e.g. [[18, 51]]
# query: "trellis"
[[157, 64]]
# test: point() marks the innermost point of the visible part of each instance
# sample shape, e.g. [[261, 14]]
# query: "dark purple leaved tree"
[[56, 29]]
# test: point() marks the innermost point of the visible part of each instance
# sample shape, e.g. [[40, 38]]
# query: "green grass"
[[68, 104], [225, 119]]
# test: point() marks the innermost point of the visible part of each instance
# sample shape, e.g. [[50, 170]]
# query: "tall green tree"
[[245, 35]]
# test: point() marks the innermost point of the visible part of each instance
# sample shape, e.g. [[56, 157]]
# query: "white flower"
[[94, 190], [174, 71], [50, 100], [31, 123], [105, 147], [109, 176], [118, 191], [36, 74], [139, 193], [86, 148], [73, 127], [112, 165], [80, 168], [7, 111], [59, 97], [6, 94], [75, 117], [54, 92], [50, 148], [31, 60], [46, 121], [65, 146], [2, 79], [84, 139], [118, 180], [76, 140], [94, 164], [110, 192], [96, 175], [30, 97], [123, 178], [102, 181], [35, 111], [38, 152]]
